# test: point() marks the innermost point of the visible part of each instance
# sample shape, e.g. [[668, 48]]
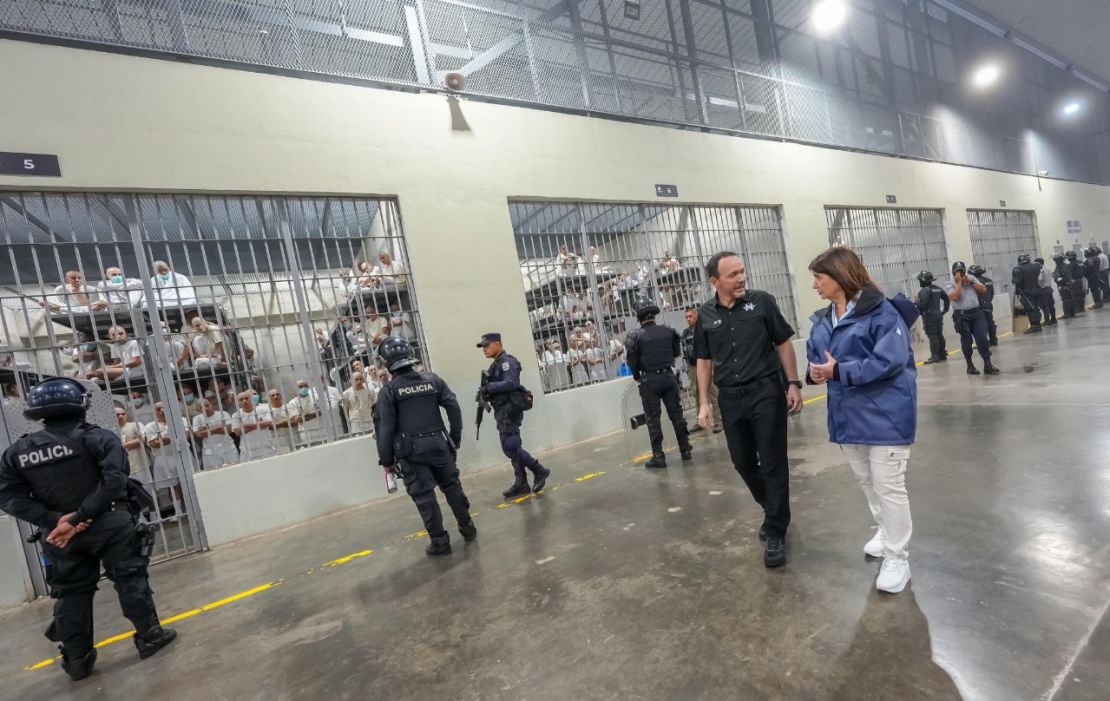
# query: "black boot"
[[78, 667], [539, 477], [930, 361], [439, 546], [990, 369], [1033, 329], [657, 460], [469, 532], [687, 454], [971, 369], [154, 639], [774, 552], [518, 489]]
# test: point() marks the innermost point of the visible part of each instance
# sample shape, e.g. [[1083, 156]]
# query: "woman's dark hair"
[[843, 265]]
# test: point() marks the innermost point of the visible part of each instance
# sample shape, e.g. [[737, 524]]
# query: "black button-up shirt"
[[741, 340]]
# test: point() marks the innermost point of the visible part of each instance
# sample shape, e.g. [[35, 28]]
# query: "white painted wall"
[[127, 123], [15, 583]]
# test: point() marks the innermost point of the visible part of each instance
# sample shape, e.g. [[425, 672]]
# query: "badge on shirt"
[[716, 323], [749, 307], [505, 366]]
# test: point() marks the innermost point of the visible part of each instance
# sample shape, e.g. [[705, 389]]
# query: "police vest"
[[417, 402], [60, 472], [655, 345]]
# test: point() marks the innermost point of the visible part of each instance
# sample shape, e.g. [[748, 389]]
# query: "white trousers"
[[881, 471]]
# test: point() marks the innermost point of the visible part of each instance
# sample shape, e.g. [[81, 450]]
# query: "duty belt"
[[661, 371]]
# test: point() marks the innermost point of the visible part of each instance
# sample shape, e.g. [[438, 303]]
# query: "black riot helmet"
[[1089, 252], [1039, 261], [959, 265], [976, 270], [396, 354], [1072, 256], [645, 309], [1024, 259], [1058, 257], [925, 278], [57, 398]]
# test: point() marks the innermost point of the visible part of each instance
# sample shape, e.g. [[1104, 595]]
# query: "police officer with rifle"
[[414, 444], [501, 389], [71, 480]]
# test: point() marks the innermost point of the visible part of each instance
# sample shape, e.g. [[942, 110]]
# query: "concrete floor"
[[648, 585]]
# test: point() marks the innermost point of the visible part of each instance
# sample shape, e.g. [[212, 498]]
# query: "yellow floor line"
[[172, 619], [347, 558]]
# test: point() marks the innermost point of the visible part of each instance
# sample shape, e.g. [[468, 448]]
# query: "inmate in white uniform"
[[165, 463], [217, 449], [259, 443]]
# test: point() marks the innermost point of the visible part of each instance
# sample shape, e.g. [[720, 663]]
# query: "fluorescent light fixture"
[[1072, 108], [985, 76], [829, 15]]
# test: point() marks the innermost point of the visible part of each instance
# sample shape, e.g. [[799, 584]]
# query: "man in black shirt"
[[742, 343]]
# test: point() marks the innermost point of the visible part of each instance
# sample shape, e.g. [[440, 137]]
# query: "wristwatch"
[[796, 383]]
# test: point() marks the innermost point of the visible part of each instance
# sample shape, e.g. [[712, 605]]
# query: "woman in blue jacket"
[[860, 348]]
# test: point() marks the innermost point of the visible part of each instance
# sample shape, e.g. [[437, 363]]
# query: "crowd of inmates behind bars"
[[229, 413]]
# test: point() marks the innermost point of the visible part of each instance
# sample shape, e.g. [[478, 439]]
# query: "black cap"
[[488, 338]]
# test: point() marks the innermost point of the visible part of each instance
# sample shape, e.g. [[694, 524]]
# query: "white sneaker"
[[894, 575], [875, 547]]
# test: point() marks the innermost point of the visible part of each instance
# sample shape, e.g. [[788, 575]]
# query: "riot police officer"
[[986, 302], [1026, 279], [1091, 267], [651, 352], [933, 305], [1078, 282], [1062, 276], [71, 481], [413, 442], [508, 397]]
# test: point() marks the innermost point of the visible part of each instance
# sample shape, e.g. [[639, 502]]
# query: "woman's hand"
[[824, 372]]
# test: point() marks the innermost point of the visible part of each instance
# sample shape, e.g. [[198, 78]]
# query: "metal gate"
[[216, 329], [998, 237], [583, 265], [895, 244]]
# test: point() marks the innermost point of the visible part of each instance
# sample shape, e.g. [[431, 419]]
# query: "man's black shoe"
[[80, 667], [687, 454], [154, 640], [774, 552], [1032, 329], [469, 532], [1050, 322], [656, 461], [695, 428], [539, 477], [518, 489], [991, 370], [930, 361], [972, 370], [439, 546]]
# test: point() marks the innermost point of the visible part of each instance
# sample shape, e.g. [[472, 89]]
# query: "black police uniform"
[[75, 467], [1090, 271], [651, 352], [986, 303], [506, 395], [741, 340], [1063, 278], [1026, 278], [933, 304], [410, 433], [1078, 283]]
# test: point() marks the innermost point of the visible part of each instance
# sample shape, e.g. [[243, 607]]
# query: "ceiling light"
[[985, 76], [1072, 108], [829, 15]]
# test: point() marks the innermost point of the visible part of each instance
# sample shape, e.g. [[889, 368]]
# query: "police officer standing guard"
[[933, 305], [986, 302], [1026, 278], [964, 291], [652, 350], [504, 391], [410, 433], [1091, 267], [71, 481], [1063, 277]]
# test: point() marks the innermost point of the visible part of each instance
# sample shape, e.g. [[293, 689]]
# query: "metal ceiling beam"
[[511, 41]]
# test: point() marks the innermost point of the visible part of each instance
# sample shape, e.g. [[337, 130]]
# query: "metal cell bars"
[[894, 244], [72, 303], [998, 237], [584, 264]]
